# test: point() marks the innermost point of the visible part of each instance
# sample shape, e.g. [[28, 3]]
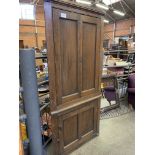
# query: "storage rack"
[[120, 80], [119, 53]]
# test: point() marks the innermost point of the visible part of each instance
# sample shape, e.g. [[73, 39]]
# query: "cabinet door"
[[90, 54], [66, 44], [78, 126]]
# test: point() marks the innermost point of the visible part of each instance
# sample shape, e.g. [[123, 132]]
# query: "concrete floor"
[[117, 137]]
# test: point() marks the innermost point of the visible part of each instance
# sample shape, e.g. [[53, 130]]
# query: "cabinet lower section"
[[76, 127]]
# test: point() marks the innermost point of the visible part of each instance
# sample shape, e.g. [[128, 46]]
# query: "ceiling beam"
[[128, 7], [110, 17], [122, 6]]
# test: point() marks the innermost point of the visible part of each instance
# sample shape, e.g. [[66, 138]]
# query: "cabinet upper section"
[[73, 54]]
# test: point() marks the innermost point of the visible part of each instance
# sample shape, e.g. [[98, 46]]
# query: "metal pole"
[[114, 28], [31, 101], [35, 25]]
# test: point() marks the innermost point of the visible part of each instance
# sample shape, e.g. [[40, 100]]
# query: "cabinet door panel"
[[79, 125], [69, 56], [66, 51], [90, 54], [86, 121], [70, 131]]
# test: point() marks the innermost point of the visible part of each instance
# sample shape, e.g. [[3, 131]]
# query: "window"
[[27, 12], [108, 2]]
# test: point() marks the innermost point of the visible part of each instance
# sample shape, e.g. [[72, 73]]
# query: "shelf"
[[42, 82], [43, 94], [44, 106], [123, 75], [109, 53], [115, 66], [132, 52], [125, 54], [113, 51], [43, 91], [41, 57], [108, 76]]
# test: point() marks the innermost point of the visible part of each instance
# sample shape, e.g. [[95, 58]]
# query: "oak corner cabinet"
[[73, 35]]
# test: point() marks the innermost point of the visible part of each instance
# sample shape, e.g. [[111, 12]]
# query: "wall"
[[31, 34], [27, 29], [122, 28]]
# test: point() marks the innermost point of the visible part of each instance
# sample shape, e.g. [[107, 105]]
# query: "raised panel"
[[86, 121], [69, 56], [66, 46], [88, 55], [70, 129]]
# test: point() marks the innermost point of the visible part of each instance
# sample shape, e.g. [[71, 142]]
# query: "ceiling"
[[126, 6]]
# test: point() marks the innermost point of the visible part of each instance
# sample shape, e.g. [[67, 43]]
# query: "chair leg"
[[102, 91]]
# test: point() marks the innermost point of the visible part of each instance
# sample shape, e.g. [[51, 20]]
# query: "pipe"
[[114, 28], [31, 101], [36, 30], [111, 17], [122, 7]]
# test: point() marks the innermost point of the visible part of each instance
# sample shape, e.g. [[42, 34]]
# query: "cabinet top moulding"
[[85, 9]]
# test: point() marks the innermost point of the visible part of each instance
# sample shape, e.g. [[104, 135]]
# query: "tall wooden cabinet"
[[73, 34]]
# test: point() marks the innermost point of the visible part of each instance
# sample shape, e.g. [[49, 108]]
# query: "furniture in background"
[[121, 87], [73, 35], [131, 90], [109, 82], [115, 89]]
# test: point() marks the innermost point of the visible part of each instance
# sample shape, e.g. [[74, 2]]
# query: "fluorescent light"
[[106, 21], [108, 2], [119, 13], [84, 2], [102, 6]]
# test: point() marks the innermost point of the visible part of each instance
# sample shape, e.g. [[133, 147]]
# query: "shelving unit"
[[119, 52], [121, 78], [43, 82], [44, 106]]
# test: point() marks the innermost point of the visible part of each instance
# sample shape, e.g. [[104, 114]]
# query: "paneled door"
[[66, 41], [90, 54], [77, 46]]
